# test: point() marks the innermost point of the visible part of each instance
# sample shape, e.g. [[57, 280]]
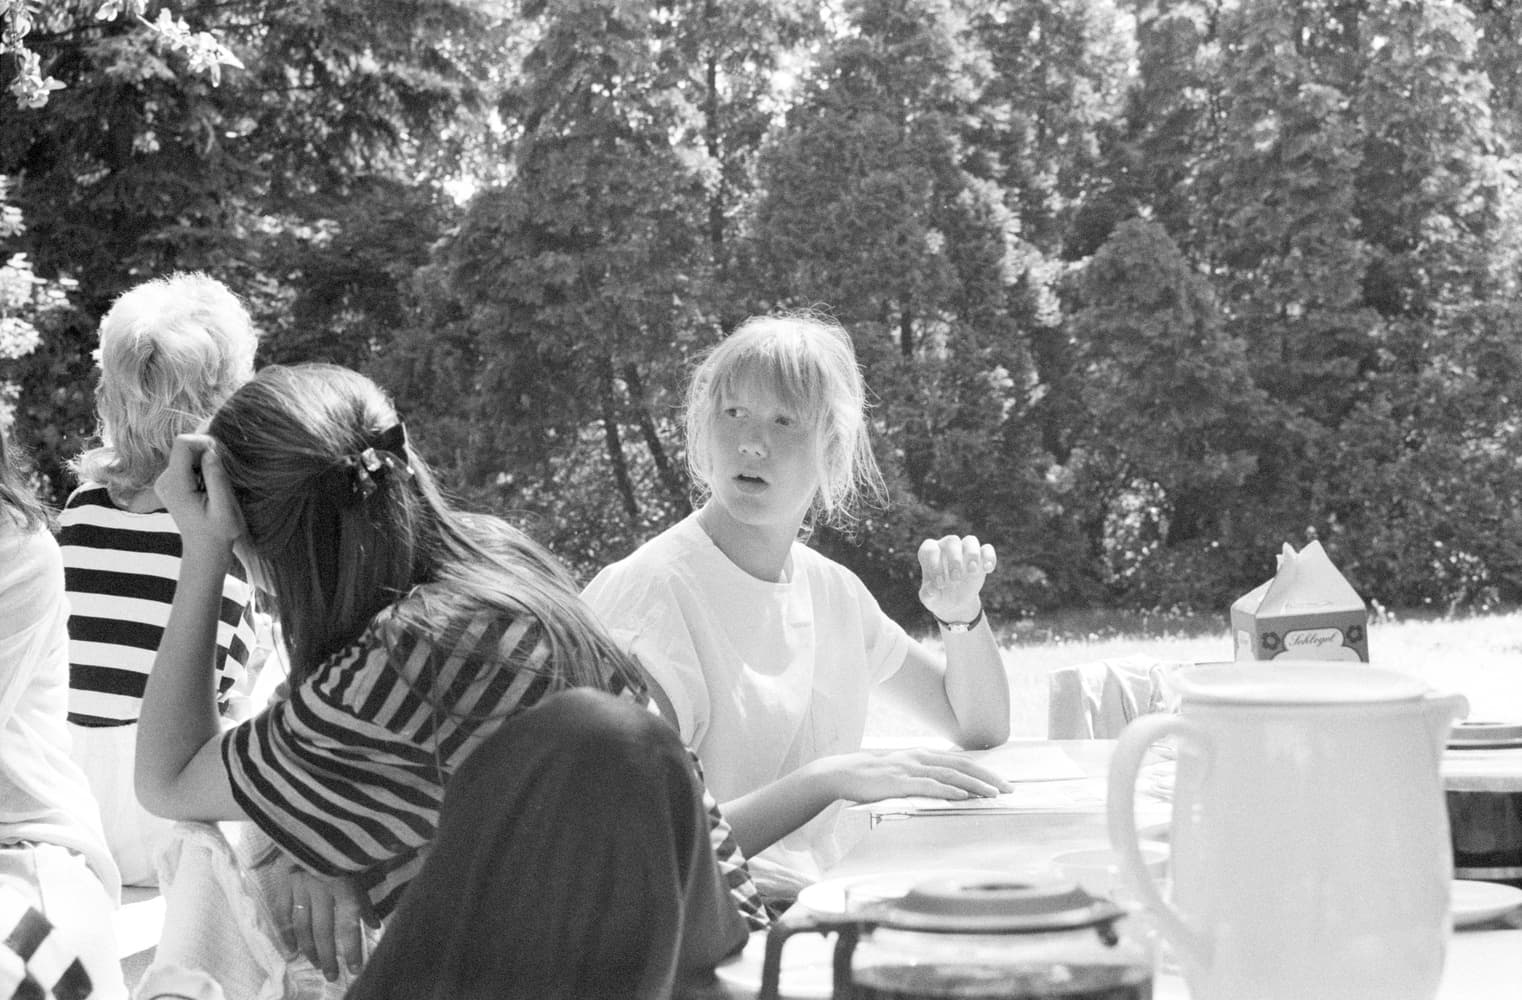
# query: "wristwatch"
[[960, 626]]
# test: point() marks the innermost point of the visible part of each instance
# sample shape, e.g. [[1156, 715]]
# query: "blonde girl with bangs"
[[171, 351], [415, 634], [766, 651]]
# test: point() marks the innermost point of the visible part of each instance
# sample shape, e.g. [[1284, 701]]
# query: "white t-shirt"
[[763, 677], [44, 797]]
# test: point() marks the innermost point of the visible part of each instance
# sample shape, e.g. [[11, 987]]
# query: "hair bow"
[[355, 477]]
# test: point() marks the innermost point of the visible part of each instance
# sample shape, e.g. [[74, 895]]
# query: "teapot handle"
[[798, 920], [1125, 765]]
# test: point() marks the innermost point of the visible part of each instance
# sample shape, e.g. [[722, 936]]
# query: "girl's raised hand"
[[195, 490], [952, 571]]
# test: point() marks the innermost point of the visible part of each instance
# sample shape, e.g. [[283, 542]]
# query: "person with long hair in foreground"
[[414, 633], [593, 801]]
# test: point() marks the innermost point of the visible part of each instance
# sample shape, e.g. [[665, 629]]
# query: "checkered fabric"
[[35, 963]]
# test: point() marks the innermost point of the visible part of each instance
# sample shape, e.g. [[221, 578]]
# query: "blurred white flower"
[[30, 87], [110, 10], [207, 55], [17, 283], [18, 22], [8, 395], [18, 338], [202, 50]]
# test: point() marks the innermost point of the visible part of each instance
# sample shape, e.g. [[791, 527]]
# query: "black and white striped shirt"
[[348, 773], [120, 571]]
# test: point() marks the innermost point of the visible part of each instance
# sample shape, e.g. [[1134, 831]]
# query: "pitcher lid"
[[1295, 682]]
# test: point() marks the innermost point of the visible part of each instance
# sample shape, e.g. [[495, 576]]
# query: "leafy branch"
[[24, 297], [204, 52]]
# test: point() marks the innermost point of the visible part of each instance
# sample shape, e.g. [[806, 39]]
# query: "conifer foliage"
[[1144, 288]]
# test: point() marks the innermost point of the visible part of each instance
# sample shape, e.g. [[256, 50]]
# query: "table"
[[1066, 814]]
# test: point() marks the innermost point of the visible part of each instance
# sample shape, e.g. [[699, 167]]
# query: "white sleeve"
[[644, 617], [33, 611], [887, 642]]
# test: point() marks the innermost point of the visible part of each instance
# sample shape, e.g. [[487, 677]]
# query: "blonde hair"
[[808, 360], [171, 351]]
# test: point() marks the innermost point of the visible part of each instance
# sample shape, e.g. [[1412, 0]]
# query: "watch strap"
[[960, 626]]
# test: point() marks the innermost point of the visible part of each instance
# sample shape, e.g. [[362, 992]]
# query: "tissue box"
[[1308, 611]]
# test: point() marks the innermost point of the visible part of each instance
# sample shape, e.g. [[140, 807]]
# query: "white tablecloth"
[[1484, 963]]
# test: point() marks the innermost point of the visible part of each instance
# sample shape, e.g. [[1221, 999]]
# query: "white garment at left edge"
[[54, 912], [53, 855]]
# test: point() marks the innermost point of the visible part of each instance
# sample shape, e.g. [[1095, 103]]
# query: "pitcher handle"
[[1442, 711], [1125, 765]]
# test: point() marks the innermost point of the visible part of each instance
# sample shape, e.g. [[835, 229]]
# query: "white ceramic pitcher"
[[1310, 849]]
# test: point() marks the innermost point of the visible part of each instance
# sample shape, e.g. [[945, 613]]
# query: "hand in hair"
[[194, 488]]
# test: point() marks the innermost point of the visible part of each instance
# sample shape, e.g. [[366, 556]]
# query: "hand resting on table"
[[766, 815], [868, 776]]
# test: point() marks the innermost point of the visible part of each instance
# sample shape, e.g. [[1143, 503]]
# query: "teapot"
[[1310, 853], [986, 936]]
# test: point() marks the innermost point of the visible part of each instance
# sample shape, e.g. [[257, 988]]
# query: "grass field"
[[1480, 656]]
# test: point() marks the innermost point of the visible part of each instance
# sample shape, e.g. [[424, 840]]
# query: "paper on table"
[[1025, 797], [1018, 762], [1045, 779], [1013, 761]]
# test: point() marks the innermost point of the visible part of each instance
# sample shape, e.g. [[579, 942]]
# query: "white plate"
[[1097, 870], [1484, 735], [839, 897], [1476, 902]]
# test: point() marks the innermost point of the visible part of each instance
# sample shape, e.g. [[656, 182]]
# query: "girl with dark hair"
[[414, 632]]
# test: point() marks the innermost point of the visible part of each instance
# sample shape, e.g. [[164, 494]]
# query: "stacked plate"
[[1482, 778]]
